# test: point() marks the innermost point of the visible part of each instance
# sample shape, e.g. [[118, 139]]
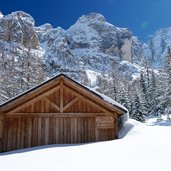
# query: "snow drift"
[[144, 148]]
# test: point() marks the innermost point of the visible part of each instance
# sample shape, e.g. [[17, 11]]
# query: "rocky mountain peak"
[[93, 31], [20, 15], [19, 27], [91, 18], [156, 48], [1, 15]]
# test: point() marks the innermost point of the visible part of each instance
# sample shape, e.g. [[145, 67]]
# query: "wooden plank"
[[2, 124], [92, 97], [5, 135], [111, 134], [65, 130], [57, 128], [39, 130], [9, 139], [22, 139], [116, 129], [1, 131], [78, 131], [82, 130], [43, 131], [31, 95], [92, 130], [34, 100], [61, 131], [26, 135], [36, 130], [14, 134], [71, 103], [61, 96], [68, 130], [58, 114], [42, 110], [46, 107], [29, 127], [86, 130], [52, 130], [87, 100], [52, 103], [75, 130], [19, 133], [46, 131]]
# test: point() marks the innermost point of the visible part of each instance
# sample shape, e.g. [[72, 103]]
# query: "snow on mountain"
[[90, 47], [1, 15], [156, 48], [21, 57], [140, 149], [90, 44], [137, 51]]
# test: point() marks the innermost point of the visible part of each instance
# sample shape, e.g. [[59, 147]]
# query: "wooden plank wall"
[[22, 132], [59, 116]]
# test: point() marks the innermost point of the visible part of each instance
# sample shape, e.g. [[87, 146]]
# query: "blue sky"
[[143, 17]]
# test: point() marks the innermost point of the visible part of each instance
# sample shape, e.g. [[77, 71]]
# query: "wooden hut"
[[59, 111]]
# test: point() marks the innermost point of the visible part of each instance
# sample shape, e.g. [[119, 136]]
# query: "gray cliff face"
[[92, 31], [156, 48], [21, 57], [19, 27], [91, 45], [137, 51]]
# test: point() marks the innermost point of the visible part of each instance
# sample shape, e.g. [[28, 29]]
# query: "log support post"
[[1, 130], [116, 130]]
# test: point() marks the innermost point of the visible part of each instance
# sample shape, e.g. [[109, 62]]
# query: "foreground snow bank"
[[143, 148]]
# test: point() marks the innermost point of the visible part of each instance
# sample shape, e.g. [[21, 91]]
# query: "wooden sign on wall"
[[104, 122]]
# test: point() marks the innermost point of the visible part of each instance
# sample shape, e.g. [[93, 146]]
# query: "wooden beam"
[[86, 99], [61, 96], [52, 103], [60, 115], [116, 129], [2, 115], [34, 100], [29, 95], [92, 95], [71, 103], [2, 120]]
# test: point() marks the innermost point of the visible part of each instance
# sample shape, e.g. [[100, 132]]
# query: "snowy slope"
[[143, 148]]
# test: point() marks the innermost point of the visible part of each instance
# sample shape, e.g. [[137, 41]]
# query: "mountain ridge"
[[92, 51]]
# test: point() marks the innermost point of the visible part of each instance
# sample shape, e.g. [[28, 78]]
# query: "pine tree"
[[115, 79], [168, 82], [137, 109], [152, 94], [143, 94]]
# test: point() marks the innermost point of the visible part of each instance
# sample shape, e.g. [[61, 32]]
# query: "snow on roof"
[[104, 97], [108, 99]]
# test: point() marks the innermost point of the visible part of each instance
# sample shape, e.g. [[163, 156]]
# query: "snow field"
[[143, 148]]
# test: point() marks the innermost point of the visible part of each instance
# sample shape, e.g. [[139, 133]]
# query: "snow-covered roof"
[[102, 96], [107, 99]]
